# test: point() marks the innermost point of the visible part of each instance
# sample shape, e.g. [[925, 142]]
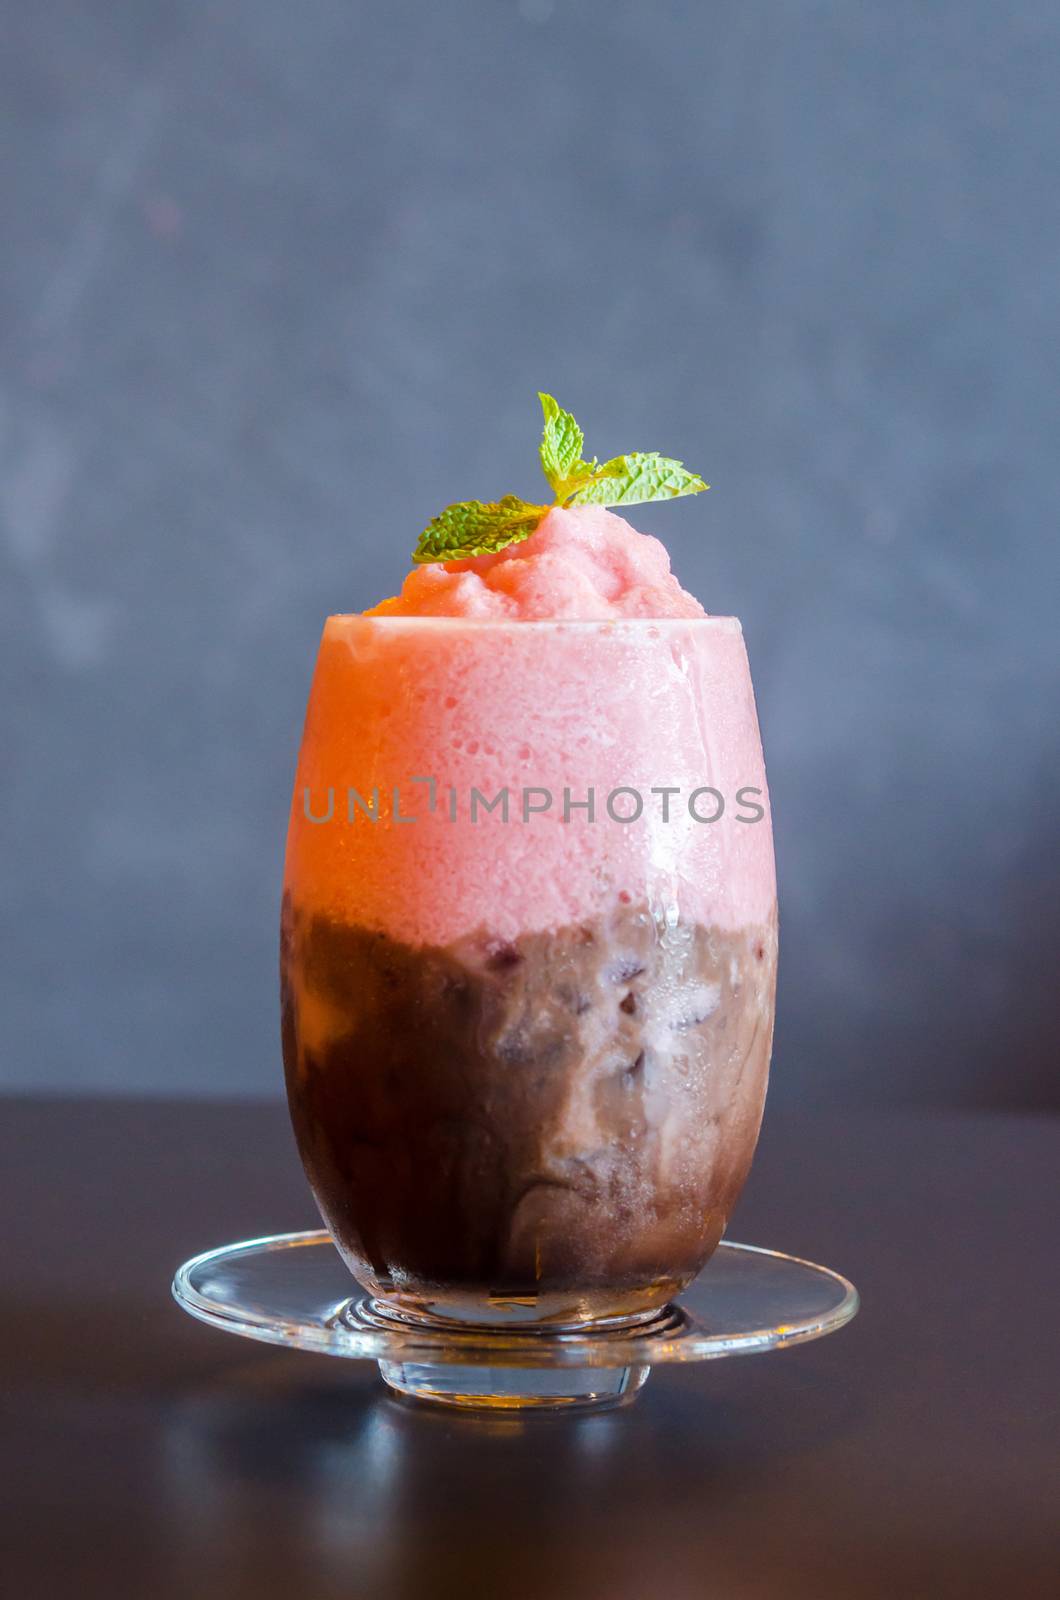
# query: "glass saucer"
[[294, 1289]]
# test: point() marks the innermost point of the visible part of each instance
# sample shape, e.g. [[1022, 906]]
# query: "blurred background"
[[280, 281]]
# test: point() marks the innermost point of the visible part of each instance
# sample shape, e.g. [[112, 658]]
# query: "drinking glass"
[[528, 963]]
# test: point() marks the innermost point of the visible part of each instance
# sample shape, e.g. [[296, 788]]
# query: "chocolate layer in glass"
[[562, 1121]]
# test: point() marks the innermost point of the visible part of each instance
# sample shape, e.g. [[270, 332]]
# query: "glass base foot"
[[514, 1388], [293, 1290]]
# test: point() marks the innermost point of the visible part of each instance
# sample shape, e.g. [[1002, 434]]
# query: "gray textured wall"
[[278, 281]]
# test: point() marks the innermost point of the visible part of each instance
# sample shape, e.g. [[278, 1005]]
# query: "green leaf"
[[561, 444], [631, 480], [475, 528]]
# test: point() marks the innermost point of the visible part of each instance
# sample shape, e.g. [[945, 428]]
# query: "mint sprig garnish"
[[476, 527]]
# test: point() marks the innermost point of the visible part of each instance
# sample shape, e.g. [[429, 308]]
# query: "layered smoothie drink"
[[529, 930]]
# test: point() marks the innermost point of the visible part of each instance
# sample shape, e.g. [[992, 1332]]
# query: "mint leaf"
[[474, 528], [477, 528], [561, 445], [630, 480]]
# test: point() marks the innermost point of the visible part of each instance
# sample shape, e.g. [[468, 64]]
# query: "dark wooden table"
[[147, 1456]]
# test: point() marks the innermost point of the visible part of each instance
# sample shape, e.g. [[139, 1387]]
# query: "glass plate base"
[[293, 1289]]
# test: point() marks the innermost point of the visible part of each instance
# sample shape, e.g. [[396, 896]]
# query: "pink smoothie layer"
[[572, 661], [584, 563]]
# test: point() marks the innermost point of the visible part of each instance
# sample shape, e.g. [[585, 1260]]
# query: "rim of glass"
[[604, 624]]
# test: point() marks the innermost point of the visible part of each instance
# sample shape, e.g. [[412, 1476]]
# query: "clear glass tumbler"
[[528, 968]]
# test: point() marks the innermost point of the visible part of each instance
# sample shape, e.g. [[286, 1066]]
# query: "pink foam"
[[472, 701], [585, 563]]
